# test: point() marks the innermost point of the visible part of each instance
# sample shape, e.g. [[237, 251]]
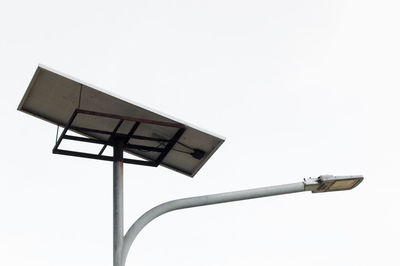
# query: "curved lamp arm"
[[203, 201], [323, 183]]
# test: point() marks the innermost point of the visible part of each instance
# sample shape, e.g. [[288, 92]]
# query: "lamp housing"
[[328, 183]]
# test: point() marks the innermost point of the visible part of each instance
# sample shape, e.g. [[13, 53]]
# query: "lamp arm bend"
[[198, 201]]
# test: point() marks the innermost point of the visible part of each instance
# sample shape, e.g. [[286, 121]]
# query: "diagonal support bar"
[[112, 135]]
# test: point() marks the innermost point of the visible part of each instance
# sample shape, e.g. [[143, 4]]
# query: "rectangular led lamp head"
[[327, 183]]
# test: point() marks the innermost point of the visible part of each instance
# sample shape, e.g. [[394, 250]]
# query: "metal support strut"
[[118, 202]]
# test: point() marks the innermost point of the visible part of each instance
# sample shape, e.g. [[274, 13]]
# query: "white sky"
[[299, 89]]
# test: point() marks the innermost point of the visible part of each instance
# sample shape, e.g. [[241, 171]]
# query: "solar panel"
[[98, 115]]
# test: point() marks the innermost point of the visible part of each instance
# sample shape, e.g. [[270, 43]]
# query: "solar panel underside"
[[54, 97]]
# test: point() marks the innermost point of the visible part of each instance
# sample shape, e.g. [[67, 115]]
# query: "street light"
[[152, 137]]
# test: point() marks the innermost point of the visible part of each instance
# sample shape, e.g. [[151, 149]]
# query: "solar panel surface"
[[54, 97]]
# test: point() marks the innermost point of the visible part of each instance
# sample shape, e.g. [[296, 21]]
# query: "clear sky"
[[298, 88]]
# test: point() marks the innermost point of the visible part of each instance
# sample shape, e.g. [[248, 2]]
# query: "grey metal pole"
[[118, 202], [203, 201]]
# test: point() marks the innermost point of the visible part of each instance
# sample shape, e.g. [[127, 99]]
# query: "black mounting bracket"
[[113, 135]]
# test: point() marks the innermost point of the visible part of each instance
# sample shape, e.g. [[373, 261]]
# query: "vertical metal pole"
[[118, 202]]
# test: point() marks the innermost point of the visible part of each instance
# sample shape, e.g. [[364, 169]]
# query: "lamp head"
[[327, 183]]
